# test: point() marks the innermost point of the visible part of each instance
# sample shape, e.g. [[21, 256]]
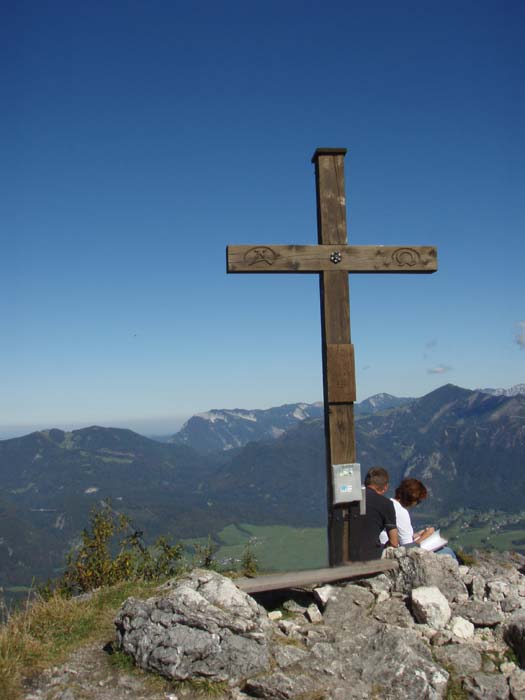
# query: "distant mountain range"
[[513, 391], [467, 446], [225, 429], [228, 429]]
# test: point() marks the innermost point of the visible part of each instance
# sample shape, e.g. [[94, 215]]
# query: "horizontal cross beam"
[[326, 258]]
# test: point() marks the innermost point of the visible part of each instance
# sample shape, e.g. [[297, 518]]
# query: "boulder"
[[202, 626], [323, 595], [486, 686], [418, 567], [430, 606], [461, 628], [400, 666], [481, 614]]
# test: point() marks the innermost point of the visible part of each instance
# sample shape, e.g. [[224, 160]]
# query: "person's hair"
[[410, 492], [377, 476]]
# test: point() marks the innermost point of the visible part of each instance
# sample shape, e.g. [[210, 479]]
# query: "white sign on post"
[[346, 483]]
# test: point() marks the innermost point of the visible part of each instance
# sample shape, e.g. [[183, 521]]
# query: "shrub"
[[94, 564]]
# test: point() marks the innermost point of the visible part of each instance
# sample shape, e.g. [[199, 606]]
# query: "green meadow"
[[285, 548], [276, 547]]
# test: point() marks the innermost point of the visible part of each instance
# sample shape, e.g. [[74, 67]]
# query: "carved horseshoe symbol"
[[406, 257]]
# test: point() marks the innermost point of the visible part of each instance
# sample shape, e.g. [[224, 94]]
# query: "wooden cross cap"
[[326, 258]]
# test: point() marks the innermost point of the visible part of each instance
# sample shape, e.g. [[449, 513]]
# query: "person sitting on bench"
[[380, 515], [409, 493]]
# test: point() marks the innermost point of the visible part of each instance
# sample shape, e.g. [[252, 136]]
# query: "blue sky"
[[139, 139]]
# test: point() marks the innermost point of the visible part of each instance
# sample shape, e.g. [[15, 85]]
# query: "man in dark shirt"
[[380, 515]]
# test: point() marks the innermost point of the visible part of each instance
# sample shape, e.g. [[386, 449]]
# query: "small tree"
[[94, 565], [249, 563]]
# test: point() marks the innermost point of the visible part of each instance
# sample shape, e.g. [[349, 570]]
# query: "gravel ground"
[[89, 674]]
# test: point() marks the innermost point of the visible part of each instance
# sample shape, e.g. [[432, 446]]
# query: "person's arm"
[[391, 524], [423, 534], [393, 537]]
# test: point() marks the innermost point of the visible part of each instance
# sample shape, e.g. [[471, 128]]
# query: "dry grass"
[[45, 632]]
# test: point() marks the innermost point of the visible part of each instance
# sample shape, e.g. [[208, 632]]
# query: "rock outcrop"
[[429, 629], [203, 626]]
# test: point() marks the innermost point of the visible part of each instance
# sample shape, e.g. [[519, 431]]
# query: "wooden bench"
[[300, 579]]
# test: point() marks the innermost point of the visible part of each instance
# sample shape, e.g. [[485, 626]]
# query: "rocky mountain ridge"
[[512, 391], [226, 429], [229, 429]]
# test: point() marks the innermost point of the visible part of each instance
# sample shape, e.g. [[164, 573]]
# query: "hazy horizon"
[[161, 426]]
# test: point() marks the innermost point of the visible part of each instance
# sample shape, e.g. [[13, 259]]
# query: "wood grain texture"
[[331, 258], [342, 441], [298, 579], [340, 367], [334, 291], [331, 200]]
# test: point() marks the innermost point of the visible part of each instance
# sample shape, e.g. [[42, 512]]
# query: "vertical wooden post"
[[338, 358]]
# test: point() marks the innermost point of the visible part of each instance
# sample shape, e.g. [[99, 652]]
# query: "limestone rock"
[[441, 638], [294, 607], [508, 668], [286, 655], [514, 635], [380, 585], [275, 615], [323, 594], [203, 626], [486, 686], [398, 661], [290, 628], [498, 589], [462, 658], [430, 606], [281, 686], [393, 612], [478, 587], [461, 628], [418, 567], [510, 603], [349, 609], [517, 685], [313, 614], [481, 614]]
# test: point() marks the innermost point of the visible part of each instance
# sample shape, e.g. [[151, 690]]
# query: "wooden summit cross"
[[333, 259]]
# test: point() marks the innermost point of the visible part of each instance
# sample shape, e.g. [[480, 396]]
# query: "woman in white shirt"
[[409, 493]]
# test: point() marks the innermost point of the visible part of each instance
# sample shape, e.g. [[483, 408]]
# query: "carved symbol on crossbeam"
[[401, 257], [260, 254]]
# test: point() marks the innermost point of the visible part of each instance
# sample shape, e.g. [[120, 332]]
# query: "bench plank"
[[298, 579]]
